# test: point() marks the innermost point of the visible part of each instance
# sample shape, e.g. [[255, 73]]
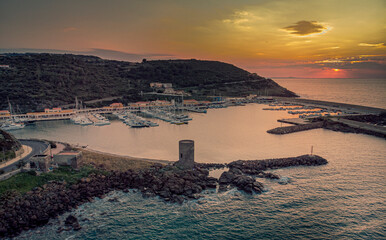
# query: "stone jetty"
[[238, 171], [170, 183], [296, 128], [253, 167]]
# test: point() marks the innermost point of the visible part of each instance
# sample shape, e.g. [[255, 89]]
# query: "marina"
[[138, 115], [134, 120]]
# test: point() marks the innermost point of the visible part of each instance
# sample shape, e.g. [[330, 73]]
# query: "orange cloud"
[[377, 45]]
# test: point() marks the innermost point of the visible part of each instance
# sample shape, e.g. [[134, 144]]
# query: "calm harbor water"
[[341, 200], [367, 92]]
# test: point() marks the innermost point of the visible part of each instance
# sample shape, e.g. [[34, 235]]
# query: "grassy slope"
[[24, 182], [111, 162]]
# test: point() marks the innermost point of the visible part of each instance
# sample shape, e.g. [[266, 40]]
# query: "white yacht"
[[9, 126]]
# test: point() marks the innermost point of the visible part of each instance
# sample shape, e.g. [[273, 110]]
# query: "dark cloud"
[[351, 65], [103, 53], [303, 28], [359, 62], [365, 66]]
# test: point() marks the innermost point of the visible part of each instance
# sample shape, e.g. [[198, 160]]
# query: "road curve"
[[37, 147]]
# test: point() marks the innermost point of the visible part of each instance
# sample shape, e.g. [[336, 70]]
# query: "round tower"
[[186, 156]]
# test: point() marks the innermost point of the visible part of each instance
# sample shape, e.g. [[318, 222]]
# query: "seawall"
[[296, 128], [334, 105]]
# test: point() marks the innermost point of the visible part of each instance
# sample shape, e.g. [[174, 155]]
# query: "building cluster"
[[4, 113], [167, 88], [52, 110], [164, 103], [46, 162], [161, 85]]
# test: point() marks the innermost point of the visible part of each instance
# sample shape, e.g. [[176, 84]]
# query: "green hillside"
[[35, 81], [8, 145]]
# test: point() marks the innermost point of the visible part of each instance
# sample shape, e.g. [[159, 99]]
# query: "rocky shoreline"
[[37, 207]]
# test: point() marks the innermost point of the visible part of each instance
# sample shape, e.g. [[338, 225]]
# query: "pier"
[[67, 114], [331, 105], [295, 128]]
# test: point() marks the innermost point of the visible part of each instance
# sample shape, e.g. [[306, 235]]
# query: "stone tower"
[[186, 157]]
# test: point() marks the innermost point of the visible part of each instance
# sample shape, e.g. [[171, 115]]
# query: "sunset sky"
[[274, 38]]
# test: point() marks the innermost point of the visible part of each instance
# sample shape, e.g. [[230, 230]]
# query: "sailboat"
[[11, 124], [80, 119]]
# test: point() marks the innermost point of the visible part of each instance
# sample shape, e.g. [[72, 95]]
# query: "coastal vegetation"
[[65, 189], [26, 181], [35, 81], [8, 146], [112, 162]]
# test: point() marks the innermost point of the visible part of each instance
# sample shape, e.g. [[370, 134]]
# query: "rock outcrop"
[[235, 177], [36, 207]]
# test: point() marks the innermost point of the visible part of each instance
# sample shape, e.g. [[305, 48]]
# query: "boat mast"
[[76, 103], [10, 108]]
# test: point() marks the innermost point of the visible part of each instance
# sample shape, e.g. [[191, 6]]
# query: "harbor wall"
[[341, 106], [296, 128]]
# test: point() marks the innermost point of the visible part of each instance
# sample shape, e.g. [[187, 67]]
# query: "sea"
[[344, 199]]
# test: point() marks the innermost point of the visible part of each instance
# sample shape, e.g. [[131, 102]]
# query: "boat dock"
[[67, 114]]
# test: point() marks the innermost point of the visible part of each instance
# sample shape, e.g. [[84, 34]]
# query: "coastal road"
[[38, 147]]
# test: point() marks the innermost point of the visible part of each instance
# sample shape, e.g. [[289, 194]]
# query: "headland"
[[172, 184]]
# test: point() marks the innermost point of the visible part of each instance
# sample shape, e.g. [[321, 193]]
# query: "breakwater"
[[335, 124], [296, 128], [238, 171], [346, 127], [333, 105], [252, 167], [37, 207]]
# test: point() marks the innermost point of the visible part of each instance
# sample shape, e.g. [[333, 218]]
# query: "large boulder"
[[235, 178]]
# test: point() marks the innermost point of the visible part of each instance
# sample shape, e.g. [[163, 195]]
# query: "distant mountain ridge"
[[34, 81]]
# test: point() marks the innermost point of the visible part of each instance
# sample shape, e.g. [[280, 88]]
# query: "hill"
[[35, 81]]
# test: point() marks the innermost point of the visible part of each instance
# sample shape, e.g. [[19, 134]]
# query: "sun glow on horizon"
[[270, 38]]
